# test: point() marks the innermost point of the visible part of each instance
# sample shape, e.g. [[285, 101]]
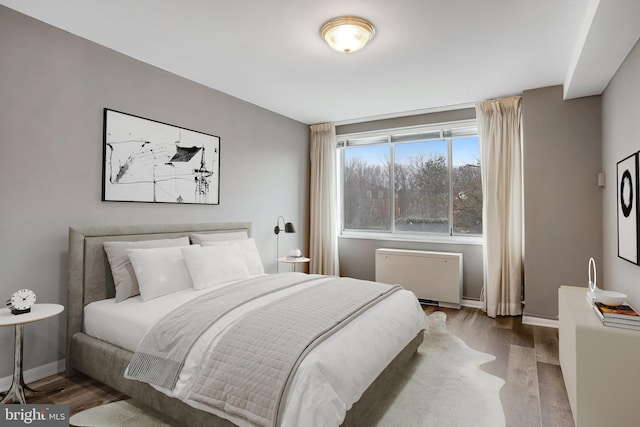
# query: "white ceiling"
[[426, 54]]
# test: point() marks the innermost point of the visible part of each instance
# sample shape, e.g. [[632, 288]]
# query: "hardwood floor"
[[80, 392], [526, 358]]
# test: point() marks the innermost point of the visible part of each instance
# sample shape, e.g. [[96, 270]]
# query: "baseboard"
[[526, 320], [36, 373], [474, 303], [539, 321], [465, 303]]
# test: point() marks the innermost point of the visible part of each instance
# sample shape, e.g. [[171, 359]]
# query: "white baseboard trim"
[[539, 321], [472, 303], [37, 373]]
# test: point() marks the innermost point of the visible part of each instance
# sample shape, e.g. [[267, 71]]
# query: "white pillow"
[[199, 238], [159, 271], [213, 265], [124, 277], [249, 252]]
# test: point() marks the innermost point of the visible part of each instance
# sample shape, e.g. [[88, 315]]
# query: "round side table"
[[38, 312], [294, 261]]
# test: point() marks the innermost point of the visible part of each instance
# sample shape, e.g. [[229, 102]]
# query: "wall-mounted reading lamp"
[[288, 228]]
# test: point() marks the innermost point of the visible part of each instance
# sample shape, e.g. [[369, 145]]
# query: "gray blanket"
[[249, 369], [161, 355]]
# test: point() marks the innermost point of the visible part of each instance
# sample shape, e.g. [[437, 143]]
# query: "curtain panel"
[[499, 128], [323, 188]]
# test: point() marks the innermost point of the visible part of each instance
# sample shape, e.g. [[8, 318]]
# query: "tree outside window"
[[430, 187]]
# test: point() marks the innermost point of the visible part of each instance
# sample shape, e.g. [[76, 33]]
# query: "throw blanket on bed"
[[248, 371], [161, 355]]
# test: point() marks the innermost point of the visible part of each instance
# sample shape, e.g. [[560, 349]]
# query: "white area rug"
[[443, 386], [124, 413]]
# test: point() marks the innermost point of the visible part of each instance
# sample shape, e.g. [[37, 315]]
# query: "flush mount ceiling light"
[[347, 34]]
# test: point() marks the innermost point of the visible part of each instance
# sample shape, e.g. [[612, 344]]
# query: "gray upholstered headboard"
[[90, 276]]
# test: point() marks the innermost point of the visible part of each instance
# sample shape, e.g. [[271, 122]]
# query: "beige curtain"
[[499, 127], [323, 217]]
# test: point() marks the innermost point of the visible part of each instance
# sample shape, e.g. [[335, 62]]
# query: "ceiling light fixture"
[[347, 34]]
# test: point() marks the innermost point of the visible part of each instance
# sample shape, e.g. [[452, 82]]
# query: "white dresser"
[[600, 364]]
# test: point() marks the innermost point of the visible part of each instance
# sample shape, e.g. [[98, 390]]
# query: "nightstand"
[[294, 261], [38, 312], [599, 363]]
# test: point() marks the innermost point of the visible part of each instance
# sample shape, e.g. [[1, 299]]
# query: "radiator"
[[435, 277]]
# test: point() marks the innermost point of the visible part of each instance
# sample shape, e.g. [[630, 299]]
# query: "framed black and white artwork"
[[148, 161], [628, 216]]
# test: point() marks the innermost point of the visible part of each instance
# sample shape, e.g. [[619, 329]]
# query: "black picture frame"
[[148, 161], [627, 193]]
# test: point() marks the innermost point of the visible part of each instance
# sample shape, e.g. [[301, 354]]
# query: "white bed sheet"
[[335, 373], [126, 323]]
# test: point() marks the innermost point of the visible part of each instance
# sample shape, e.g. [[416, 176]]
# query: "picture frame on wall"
[[149, 161], [627, 203]]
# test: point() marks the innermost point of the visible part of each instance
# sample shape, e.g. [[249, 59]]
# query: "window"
[[423, 182]]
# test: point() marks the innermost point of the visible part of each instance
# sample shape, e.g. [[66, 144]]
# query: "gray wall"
[[621, 138], [562, 201], [53, 88], [406, 121]]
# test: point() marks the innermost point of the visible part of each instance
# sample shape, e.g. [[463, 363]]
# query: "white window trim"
[[456, 239], [385, 138]]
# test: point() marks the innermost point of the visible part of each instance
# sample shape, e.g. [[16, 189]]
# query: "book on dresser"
[[621, 316]]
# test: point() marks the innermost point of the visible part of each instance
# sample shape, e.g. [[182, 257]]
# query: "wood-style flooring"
[[534, 394], [526, 358]]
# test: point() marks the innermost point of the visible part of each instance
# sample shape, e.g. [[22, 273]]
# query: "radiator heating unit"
[[435, 277]]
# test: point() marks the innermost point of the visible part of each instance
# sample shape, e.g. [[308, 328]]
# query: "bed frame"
[[90, 280]]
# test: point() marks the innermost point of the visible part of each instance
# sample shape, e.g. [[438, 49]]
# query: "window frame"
[[448, 131]]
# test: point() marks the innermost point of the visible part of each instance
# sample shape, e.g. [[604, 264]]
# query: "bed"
[[106, 359]]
